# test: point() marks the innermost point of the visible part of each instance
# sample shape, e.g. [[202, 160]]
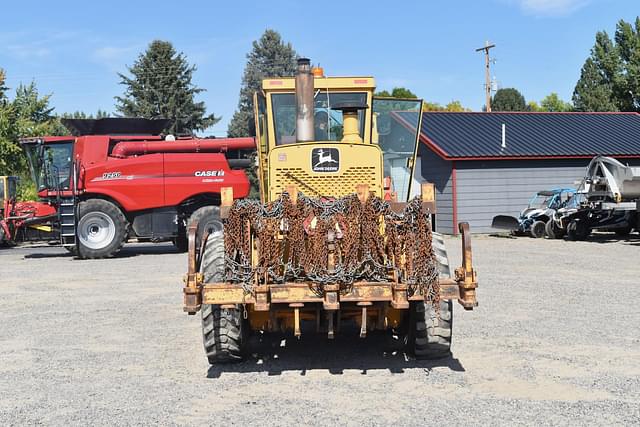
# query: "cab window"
[[327, 122]]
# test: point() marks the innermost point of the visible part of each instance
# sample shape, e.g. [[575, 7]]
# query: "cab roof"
[[288, 83]]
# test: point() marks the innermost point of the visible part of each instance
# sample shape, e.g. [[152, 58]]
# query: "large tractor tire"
[[537, 229], [102, 229], [577, 230], [430, 332], [553, 231], [223, 330], [208, 220]]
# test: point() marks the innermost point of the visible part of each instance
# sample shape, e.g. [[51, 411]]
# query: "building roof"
[[472, 136]]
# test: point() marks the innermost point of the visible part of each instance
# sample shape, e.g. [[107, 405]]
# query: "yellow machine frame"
[[362, 173]]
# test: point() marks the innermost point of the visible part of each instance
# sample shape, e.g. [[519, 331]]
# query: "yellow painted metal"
[[222, 293], [258, 320], [291, 165], [45, 228], [279, 166], [289, 83], [288, 294], [351, 130]]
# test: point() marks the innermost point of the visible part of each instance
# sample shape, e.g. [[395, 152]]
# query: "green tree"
[[610, 77], [533, 106], [627, 82], [3, 88], [596, 89], [456, 106], [508, 99], [553, 103], [269, 57], [432, 106], [161, 87], [397, 92], [29, 114]]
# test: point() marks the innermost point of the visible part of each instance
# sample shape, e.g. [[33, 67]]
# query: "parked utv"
[[536, 215]]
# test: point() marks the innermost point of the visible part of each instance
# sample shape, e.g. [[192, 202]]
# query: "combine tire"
[[430, 333], [537, 229], [577, 230], [102, 229], [208, 219], [552, 231], [222, 329]]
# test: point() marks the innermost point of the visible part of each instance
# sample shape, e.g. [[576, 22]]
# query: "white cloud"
[[551, 7]]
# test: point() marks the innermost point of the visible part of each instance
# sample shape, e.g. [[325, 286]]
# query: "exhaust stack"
[[304, 102]]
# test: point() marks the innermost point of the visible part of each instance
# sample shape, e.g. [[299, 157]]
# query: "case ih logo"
[[325, 160], [210, 173]]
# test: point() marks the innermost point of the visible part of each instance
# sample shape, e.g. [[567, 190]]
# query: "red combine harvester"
[[120, 178]]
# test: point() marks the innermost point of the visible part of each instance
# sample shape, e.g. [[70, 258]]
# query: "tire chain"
[[370, 241]]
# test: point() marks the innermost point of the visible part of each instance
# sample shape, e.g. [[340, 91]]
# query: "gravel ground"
[[555, 341]]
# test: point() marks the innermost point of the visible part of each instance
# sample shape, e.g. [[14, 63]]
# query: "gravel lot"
[[554, 341]]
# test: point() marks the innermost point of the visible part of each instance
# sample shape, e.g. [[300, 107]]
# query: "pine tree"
[[597, 89], [593, 92], [161, 87], [270, 57], [3, 88], [508, 99], [610, 77]]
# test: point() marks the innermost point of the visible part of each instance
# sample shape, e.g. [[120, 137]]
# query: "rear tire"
[[552, 231], [623, 232], [208, 219], [537, 229], [102, 229], [430, 332], [577, 230], [222, 329]]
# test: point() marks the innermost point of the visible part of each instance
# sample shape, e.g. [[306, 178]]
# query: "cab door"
[[397, 125]]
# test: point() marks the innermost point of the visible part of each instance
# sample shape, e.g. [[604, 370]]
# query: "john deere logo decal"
[[325, 160]]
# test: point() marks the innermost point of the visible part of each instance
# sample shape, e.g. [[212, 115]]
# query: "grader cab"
[[337, 237]]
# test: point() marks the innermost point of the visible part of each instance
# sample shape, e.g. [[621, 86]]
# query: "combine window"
[[328, 122], [51, 164]]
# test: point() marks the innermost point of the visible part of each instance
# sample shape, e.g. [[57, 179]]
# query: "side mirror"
[[251, 125]]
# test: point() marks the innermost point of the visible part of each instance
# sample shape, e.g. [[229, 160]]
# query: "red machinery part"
[[132, 148]]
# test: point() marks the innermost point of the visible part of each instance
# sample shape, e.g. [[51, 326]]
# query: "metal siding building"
[[477, 178]]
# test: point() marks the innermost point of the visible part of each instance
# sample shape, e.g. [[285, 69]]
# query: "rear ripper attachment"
[[328, 260]]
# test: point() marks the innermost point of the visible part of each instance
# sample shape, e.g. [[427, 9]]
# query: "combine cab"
[[336, 237]]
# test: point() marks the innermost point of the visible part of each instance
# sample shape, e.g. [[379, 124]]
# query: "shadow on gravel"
[[135, 249], [277, 354], [631, 239], [64, 254], [128, 251]]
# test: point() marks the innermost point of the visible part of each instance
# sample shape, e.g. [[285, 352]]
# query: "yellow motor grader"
[[337, 237]]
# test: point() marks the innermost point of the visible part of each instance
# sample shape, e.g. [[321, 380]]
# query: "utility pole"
[[487, 73]]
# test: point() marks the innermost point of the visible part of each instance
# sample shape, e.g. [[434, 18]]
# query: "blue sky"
[[73, 49]]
